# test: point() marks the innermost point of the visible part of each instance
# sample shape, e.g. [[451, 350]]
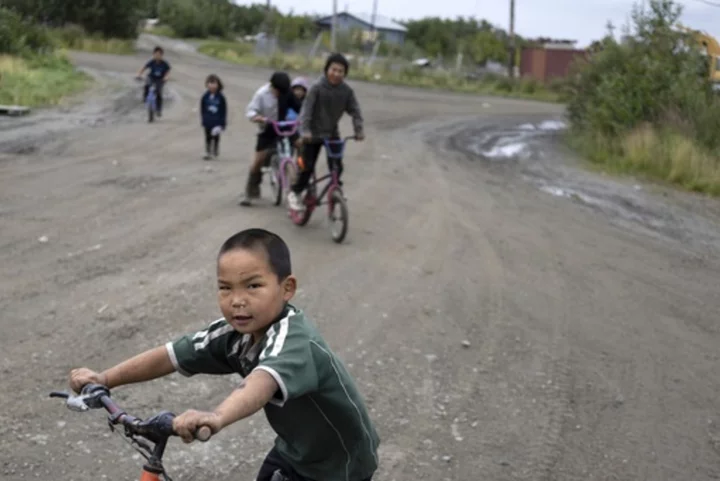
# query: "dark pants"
[[158, 92], [310, 154], [212, 142], [274, 462]]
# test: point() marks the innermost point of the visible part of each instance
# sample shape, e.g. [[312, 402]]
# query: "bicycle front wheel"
[[338, 216], [275, 180]]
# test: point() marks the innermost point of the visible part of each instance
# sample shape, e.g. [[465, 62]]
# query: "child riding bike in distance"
[[159, 71], [326, 101], [310, 400]]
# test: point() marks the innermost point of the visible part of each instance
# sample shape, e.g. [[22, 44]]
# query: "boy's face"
[[158, 56], [250, 295], [336, 73], [212, 86], [275, 92]]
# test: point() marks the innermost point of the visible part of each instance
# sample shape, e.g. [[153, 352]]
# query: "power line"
[[708, 2]]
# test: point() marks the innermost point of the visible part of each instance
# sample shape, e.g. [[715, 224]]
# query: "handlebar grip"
[[203, 434]]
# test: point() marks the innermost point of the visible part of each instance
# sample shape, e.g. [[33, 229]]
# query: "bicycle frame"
[[283, 147], [333, 176]]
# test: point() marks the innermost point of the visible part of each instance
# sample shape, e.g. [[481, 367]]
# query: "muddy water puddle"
[[535, 150]]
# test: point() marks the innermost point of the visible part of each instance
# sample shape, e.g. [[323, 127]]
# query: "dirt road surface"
[[592, 344]]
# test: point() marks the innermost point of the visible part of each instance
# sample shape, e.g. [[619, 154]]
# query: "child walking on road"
[[213, 112], [311, 401]]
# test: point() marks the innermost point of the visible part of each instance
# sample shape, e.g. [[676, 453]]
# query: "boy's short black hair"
[[280, 81], [272, 244], [158, 49], [337, 58], [214, 78]]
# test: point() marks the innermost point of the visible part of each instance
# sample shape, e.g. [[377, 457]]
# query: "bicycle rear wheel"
[[151, 107], [338, 216]]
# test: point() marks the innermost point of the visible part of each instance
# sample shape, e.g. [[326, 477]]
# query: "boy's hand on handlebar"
[[82, 376], [359, 137], [258, 119], [187, 424]]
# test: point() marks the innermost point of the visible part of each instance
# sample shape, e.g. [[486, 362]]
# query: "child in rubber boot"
[[213, 114], [326, 102], [272, 101]]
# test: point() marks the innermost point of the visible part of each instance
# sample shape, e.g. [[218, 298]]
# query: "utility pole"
[[511, 60], [373, 30], [333, 32], [267, 18]]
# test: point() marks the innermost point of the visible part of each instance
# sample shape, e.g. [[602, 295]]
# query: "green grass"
[[44, 80], [162, 31], [664, 156], [242, 53]]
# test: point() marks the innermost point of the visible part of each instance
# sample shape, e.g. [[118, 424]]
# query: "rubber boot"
[[252, 189]]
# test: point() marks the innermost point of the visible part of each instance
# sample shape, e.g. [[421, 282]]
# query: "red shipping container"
[[544, 64]]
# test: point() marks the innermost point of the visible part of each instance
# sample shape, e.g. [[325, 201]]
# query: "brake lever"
[[89, 397], [74, 403]]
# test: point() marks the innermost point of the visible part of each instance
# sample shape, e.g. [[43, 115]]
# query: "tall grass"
[[42, 80], [661, 155], [74, 37]]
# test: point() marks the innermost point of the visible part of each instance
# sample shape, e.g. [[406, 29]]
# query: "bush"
[[640, 79], [18, 37], [646, 104]]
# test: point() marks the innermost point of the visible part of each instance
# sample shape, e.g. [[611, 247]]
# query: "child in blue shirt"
[[213, 112], [159, 70]]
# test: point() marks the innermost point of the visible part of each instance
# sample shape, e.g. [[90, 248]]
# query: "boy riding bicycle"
[[310, 400], [272, 101], [326, 101], [159, 70]]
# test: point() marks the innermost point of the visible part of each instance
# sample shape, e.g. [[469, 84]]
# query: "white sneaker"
[[294, 201]]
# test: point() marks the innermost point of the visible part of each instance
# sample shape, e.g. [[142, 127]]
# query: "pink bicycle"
[[331, 192], [281, 165]]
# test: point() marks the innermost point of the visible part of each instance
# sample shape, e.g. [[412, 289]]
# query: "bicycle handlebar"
[[155, 429], [285, 123]]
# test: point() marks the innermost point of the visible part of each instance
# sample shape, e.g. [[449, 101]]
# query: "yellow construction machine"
[[711, 49]]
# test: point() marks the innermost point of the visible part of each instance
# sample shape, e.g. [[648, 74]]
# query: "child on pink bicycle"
[[309, 398], [326, 101], [271, 102]]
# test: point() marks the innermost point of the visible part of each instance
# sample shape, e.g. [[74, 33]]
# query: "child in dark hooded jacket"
[[213, 112]]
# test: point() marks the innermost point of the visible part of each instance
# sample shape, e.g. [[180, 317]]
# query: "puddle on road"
[[529, 146], [514, 142]]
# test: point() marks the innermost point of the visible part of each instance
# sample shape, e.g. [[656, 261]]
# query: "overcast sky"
[[581, 20]]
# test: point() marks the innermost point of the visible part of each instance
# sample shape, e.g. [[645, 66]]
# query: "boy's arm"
[[306, 111], [202, 110], [353, 108], [167, 72], [142, 69], [143, 367], [253, 394], [254, 107]]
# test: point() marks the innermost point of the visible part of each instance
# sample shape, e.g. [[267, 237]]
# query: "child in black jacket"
[[213, 111]]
